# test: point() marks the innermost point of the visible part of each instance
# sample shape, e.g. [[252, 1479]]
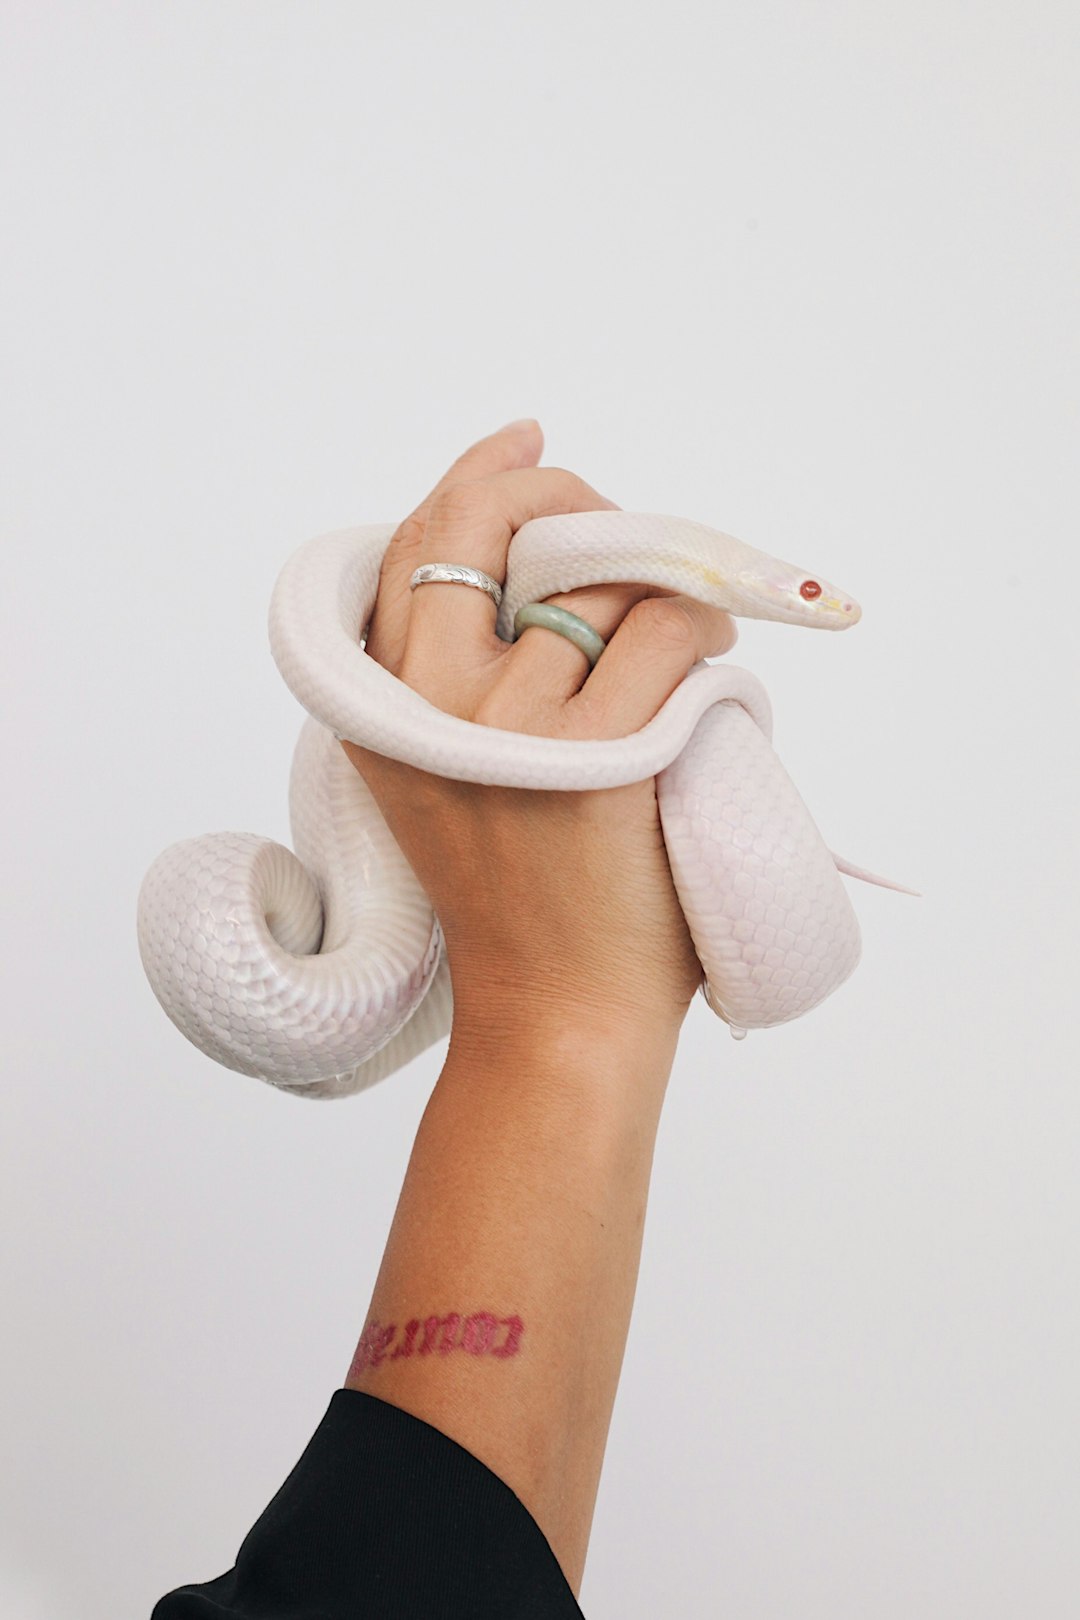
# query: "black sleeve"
[[385, 1517]]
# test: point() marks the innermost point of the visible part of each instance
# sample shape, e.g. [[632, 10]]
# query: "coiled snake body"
[[323, 972]]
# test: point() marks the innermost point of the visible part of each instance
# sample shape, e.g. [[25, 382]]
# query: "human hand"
[[563, 901]]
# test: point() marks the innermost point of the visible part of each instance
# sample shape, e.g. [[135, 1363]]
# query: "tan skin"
[[572, 970]]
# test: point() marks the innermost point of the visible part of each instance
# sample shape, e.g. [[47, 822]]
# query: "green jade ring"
[[549, 617]]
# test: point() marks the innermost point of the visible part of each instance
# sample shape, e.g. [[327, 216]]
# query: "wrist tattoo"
[[478, 1335]]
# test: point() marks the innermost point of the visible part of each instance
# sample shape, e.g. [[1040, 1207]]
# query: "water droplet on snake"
[[737, 1034]]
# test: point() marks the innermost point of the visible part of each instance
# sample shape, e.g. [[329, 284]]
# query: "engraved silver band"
[[456, 574]]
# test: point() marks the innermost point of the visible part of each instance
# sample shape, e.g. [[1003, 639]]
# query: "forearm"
[[521, 1215]]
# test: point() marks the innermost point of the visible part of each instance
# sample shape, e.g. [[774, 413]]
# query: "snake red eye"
[[809, 588]]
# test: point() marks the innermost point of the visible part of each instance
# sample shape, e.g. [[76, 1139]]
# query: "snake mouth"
[[851, 611]]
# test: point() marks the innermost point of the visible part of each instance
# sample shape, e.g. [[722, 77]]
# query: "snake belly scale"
[[322, 972]]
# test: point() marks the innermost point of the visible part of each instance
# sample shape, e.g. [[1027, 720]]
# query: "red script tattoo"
[[441, 1334]]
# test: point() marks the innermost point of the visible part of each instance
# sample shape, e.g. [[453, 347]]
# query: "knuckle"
[[664, 620], [567, 484], [430, 683], [461, 505], [510, 712], [495, 710], [587, 716]]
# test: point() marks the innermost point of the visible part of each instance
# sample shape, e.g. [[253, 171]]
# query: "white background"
[[805, 272]]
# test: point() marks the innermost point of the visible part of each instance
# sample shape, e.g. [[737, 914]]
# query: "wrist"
[[557, 1042], [508, 993]]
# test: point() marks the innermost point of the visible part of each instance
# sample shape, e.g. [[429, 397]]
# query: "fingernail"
[[518, 426]]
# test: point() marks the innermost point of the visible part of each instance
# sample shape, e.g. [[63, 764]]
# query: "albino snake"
[[323, 972]]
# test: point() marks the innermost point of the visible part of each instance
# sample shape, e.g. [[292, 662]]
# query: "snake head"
[[771, 589]]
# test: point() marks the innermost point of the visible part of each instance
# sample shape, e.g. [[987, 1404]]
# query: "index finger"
[[518, 444]]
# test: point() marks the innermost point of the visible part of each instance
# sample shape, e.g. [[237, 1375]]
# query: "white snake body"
[[324, 971]]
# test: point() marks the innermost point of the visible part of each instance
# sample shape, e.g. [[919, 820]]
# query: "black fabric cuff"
[[386, 1517]]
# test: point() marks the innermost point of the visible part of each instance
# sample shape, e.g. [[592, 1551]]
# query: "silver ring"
[[456, 574]]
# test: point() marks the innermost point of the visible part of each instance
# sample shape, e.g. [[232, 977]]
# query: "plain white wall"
[[804, 272]]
